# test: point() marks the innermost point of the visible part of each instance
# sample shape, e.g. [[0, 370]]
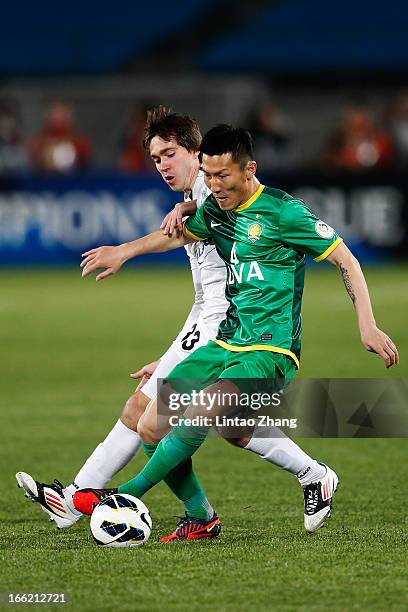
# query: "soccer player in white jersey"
[[173, 141]]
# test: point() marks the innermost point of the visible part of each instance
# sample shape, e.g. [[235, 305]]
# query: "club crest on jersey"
[[254, 231], [324, 230]]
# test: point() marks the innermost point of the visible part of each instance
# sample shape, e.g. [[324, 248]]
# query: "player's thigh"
[[204, 364], [258, 369], [257, 376], [154, 423], [200, 370]]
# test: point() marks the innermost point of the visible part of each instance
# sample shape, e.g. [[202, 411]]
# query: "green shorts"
[[250, 369]]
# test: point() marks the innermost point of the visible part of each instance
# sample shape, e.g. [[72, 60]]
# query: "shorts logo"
[[324, 230], [254, 231]]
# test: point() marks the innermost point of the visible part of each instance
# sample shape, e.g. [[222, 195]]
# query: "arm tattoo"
[[347, 283]]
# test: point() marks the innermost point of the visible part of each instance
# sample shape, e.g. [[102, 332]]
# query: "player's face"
[[230, 184], [177, 166]]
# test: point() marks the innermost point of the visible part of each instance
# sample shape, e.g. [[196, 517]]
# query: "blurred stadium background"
[[324, 90]]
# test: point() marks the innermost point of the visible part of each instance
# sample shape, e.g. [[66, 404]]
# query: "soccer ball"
[[121, 520]]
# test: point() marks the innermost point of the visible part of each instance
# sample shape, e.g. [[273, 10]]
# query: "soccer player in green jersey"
[[263, 235]]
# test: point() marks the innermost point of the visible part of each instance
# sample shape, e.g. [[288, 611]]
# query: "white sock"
[[118, 448], [275, 447]]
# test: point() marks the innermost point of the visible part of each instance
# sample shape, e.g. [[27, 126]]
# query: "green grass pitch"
[[67, 348]]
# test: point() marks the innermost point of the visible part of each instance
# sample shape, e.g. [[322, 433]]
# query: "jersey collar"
[[195, 190], [251, 200], [198, 185]]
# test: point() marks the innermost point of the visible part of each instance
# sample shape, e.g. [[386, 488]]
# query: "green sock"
[[171, 461], [184, 484]]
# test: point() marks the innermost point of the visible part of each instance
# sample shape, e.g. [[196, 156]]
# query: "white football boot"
[[318, 500], [51, 499]]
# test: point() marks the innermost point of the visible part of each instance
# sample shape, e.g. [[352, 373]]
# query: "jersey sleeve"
[[195, 227], [303, 231]]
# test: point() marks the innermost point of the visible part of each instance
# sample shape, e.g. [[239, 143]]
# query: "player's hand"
[[174, 219], [145, 373], [108, 258], [376, 341]]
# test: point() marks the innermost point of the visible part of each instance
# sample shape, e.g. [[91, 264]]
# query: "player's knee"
[[149, 434], [229, 436], [133, 410], [237, 436], [241, 442]]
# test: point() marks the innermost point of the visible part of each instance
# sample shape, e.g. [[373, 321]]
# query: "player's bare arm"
[[111, 258], [373, 339], [174, 219]]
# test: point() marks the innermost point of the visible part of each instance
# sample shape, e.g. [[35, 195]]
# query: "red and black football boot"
[[85, 500], [191, 528]]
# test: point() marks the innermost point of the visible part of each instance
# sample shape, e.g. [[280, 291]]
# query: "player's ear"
[[251, 169]]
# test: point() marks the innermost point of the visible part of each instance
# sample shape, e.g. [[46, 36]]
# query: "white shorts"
[[191, 337]]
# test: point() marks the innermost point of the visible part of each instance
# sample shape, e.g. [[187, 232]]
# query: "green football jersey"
[[263, 243]]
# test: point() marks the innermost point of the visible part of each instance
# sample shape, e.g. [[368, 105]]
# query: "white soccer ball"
[[121, 520]]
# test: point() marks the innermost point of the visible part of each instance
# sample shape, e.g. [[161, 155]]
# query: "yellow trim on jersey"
[[251, 200], [329, 250], [190, 234], [258, 347]]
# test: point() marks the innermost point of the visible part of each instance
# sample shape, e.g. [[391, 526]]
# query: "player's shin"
[[175, 448], [183, 482], [109, 457], [271, 444]]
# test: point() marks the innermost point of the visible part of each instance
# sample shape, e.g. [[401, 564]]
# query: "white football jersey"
[[209, 274]]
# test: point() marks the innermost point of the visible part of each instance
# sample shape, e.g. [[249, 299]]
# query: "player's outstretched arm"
[[111, 258], [373, 339]]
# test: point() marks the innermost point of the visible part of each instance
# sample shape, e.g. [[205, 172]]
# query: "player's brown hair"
[[168, 125]]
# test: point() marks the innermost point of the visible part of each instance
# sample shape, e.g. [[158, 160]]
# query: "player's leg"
[[184, 439], [200, 520], [118, 448], [269, 442], [101, 466], [110, 456], [154, 425], [123, 442], [171, 458], [182, 480], [171, 462], [317, 480]]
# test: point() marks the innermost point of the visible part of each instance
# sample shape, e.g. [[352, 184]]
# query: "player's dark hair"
[[226, 139], [182, 128]]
